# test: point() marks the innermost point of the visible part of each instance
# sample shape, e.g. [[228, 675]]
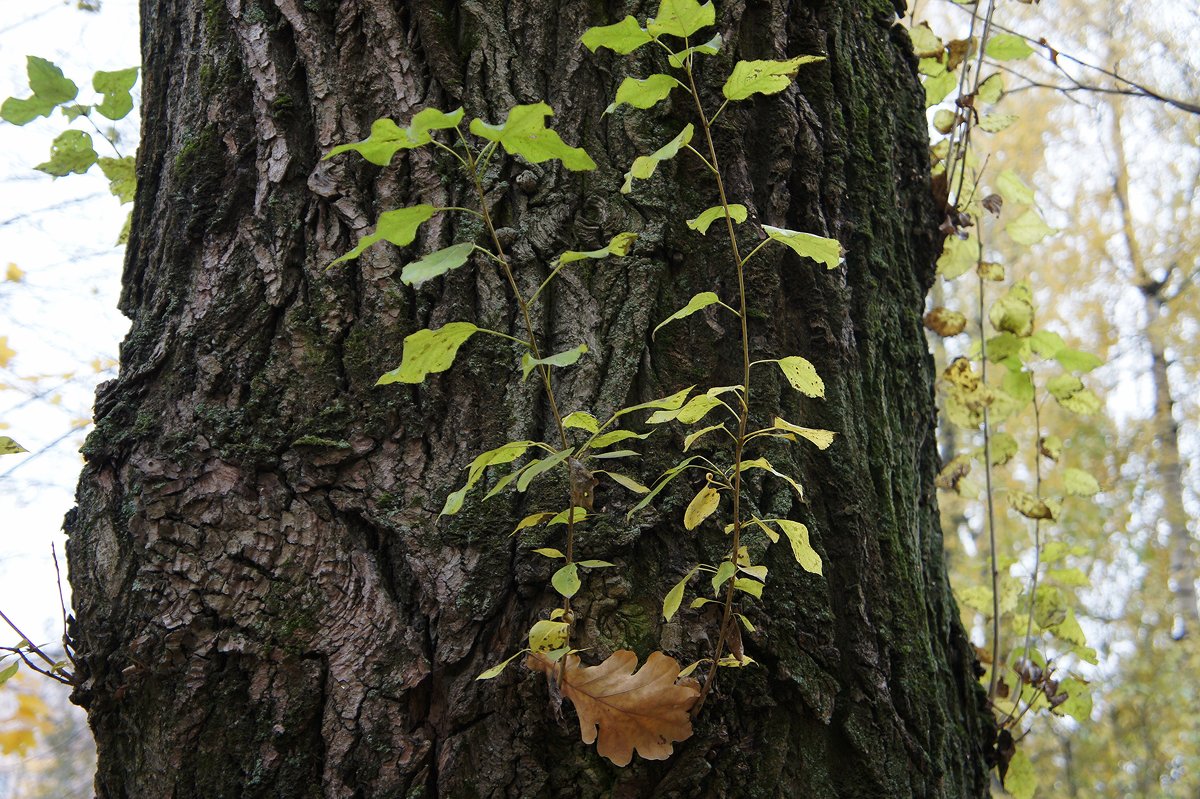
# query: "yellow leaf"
[[14, 273], [6, 352], [701, 507], [16, 742]]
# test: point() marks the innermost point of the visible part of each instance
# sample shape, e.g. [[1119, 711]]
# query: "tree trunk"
[[267, 603]]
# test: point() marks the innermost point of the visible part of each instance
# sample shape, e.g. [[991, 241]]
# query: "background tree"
[[266, 604]]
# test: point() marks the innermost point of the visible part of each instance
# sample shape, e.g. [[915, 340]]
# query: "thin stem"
[[991, 509], [35, 649], [506, 267], [1037, 523], [700, 155], [464, 210], [740, 441]]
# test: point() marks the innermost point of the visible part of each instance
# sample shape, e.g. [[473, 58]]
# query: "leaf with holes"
[[763, 77]]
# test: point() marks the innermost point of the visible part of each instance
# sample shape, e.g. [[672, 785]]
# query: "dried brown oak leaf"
[[646, 711]]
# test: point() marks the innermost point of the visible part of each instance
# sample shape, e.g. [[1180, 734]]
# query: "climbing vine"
[[622, 711]]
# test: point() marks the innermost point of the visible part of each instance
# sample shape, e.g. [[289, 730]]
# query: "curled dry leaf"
[[945, 322], [646, 710]]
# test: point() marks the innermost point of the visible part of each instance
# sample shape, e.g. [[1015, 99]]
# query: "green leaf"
[[115, 87], [763, 77], [495, 671], [1051, 447], [1013, 312], [10, 447], [1079, 700], [566, 580], [387, 137], [994, 123], [752, 587], [726, 570], [958, 257], [581, 420], [615, 437], [1029, 506], [595, 564], [1013, 189], [802, 375], [9, 671], [701, 507], [614, 454], [643, 93], [50, 89], [626, 482], [436, 264], [622, 38], [1007, 47], [1002, 447], [1077, 361], [991, 89], [505, 453], [693, 437], [797, 535], [818, 248], [674, 597], [822, 438], [737, 212], [428, 351], [122, 177], [532, 520], [1029, 228], [668, 403], [1019, 386], [701, 300], [644, 165], [529, 363], [71, 152], [681, 18], [576, 514], [1068, 390], [1046, 343], [1079, 483], [746, 622], [549, 552], [538, 467], [711, 47], [938, 88], [663, 481], [1070, 577], [765, 465], [399, 227], [695, 410], [524, 133], [620, 246], [1020, 780]]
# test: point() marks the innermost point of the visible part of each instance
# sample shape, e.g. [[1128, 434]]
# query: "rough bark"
[[266, 602]]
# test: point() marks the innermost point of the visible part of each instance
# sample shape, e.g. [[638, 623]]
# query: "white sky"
[[63, 315]]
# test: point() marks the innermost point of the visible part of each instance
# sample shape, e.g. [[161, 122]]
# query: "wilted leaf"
[[646, 711], [945, 322], [10, 447], [994, 123], [1051, 447], [1029, 505], [1002, 447], [952, 474], [618, 246]]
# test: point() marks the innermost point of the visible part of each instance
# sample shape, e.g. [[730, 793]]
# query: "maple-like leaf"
[[646, 710]]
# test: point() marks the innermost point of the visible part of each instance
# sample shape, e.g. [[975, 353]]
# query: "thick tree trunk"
[[267, 604]]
